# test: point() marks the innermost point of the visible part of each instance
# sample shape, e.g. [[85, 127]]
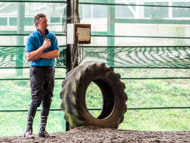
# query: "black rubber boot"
[[44, 117], [30, 119]]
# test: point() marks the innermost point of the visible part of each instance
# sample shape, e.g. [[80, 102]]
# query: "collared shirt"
[[35, 41]]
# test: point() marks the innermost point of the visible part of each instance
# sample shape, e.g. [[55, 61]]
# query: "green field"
[[147, 93]]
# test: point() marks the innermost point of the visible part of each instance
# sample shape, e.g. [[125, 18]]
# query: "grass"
[[141, 93], [14, 124], [157, 120]]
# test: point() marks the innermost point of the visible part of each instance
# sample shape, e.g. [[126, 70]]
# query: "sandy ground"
[[106, 135]]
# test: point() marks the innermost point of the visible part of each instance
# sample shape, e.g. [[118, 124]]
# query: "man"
[[41, 50]]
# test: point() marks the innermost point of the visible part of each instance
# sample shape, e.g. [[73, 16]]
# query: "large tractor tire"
[[73, 92]]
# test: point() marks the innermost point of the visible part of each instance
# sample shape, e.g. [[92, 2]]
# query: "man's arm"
[[35, 55], [50, 55]]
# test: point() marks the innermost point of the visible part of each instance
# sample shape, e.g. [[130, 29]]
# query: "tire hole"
[[94, 99]]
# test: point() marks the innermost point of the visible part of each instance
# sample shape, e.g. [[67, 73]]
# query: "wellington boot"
[[31, 115], [44, 117], [28, 134], [45, 135]]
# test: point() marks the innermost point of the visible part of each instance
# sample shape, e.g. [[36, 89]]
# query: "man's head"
[[40, 21]]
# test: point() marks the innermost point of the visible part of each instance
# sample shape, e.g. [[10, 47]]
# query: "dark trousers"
[[42, 84]]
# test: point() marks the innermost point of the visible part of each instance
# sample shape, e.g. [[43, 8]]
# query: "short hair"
[[37, 17]]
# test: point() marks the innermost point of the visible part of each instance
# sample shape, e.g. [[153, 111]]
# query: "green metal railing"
[[150, 108], [104, 2]]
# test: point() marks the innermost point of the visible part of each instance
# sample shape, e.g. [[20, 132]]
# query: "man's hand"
[[46, 43]]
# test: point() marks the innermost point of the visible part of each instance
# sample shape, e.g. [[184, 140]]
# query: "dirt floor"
[[102, 135]]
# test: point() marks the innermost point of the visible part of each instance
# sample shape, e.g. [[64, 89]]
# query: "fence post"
[[20, 40], [72, 7], [110, 31]]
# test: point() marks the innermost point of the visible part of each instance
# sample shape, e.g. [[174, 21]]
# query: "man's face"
[[42, 25]]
